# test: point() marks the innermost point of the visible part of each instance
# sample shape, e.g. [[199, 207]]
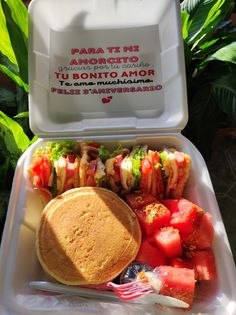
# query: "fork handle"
[[64, 289]]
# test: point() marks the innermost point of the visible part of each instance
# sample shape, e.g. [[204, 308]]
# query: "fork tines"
[[131, 290]]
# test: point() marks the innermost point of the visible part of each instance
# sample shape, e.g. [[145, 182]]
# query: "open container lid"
[[106, 67]]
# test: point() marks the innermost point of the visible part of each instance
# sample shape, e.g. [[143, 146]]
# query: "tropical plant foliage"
[[210, 53], [15, 135], [14, 41]]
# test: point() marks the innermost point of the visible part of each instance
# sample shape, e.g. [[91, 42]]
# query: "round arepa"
[[86, 236]]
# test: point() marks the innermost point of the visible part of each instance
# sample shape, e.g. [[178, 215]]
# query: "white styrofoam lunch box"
[[111, 71]]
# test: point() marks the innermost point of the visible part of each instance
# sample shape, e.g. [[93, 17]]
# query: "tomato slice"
[[180, 158], [90, 173], [36, 165], [150, 255], [90, 181], [118, 159], [168, 241], [146, 166], [70, 158], [94, 144], [146, 175], [41, 168]]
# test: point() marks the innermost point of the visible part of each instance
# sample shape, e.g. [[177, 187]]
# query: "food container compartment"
[[19, 264], [155, 117]]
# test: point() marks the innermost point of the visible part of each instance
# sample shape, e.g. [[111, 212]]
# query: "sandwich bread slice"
[[176, 167]]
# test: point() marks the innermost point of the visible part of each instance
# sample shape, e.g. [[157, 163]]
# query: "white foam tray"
[[19, 265]]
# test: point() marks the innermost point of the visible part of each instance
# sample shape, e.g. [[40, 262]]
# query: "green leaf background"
[[14, 137], [209, 42], [14, 41]]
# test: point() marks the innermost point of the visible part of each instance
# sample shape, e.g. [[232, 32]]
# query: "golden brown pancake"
[[87, 236]]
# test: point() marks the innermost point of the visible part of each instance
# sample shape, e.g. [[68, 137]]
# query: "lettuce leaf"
[[117, 151], [58, 149], [138, 155], [103, 153], [163, 156]]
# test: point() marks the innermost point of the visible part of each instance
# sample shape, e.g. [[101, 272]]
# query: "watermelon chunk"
[[203, 262], [177, 282], [180, 262], [201, 237], [137, 200], [168, 241], [186, 218], [152, 217], [150, 255], [171, 204]]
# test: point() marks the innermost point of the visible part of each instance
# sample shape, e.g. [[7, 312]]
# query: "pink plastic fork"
[[131, 290]]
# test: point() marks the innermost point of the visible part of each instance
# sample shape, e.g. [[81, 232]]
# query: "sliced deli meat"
[[176, 167], [151, 175], [55, 168]]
